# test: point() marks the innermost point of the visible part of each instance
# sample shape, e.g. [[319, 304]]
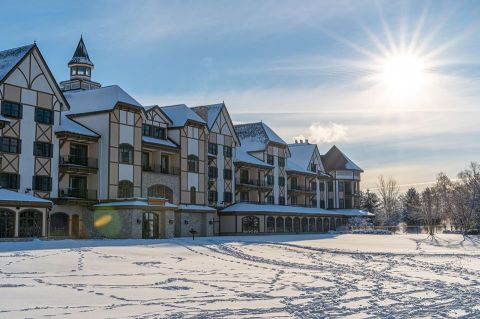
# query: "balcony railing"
[[90, 162], [254, 182], [161, 170], [302, 188], [78, 193]]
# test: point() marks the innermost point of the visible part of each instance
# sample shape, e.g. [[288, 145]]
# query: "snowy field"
[[300, 276]]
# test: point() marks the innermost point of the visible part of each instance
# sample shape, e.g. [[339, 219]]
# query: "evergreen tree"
[[412, 207]]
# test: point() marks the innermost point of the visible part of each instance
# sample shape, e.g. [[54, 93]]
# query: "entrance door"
[[150, 227], [75, 226], [164, 164]]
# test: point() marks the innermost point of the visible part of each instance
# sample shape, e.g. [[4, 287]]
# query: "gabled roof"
[[336, 160], [11, 57], [256, 136], [98, 100], [300, 156], [81, 55], [243, 157], [70, 126], [210, 113], [179, 115]]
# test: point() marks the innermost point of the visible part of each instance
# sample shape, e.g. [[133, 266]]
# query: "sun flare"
[[403, 75]]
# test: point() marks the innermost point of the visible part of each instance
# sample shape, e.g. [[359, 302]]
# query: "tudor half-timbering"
[[222, 142]]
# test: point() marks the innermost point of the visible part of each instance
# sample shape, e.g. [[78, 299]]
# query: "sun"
[[403, 75]]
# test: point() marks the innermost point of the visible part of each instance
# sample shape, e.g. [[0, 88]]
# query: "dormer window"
[[154, 131]]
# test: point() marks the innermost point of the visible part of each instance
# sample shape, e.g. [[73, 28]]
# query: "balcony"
[[77, 193], [302, 189], [253, 183], [78, 163], [161, 170]]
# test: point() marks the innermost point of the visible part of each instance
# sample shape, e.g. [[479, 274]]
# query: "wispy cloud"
[[325, 133]]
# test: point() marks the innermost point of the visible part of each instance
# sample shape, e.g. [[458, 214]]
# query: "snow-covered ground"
[[304, 276]]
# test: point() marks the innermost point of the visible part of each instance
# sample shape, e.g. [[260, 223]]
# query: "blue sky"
[[311, 69]]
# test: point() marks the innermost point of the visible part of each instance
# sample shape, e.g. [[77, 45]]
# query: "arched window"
[[279, 224], [326, 225], [192, 163], [159, 190], [311, 225], [250, 224], [59, 223], [193, 195], [296, 224], [125, 153], [288, 225], [270, 224], [150, 226], [125, 189], [319, 224], [30, 223], [304, 225], [7, 223]]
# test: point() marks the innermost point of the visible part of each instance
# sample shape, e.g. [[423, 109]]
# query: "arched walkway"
[[279, 224], [59, 224], [30, 223], [250, 224], [319, 224], [288, 225], [326, 225], [270, 224], [7, 223], [296, 224], [311, 225], [304, 225]]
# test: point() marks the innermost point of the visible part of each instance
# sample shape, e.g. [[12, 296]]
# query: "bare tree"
[[466, 196], [389, 191], [429, 210]]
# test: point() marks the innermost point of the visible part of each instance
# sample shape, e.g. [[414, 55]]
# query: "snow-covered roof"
[[209, 113], [158, 141], [11, 196], [98, 100], [199, 208], [256, 136], [243, 157], [70, 126], [11, 57], [140, 202], [295, 210], [81, 55], [179, 115], [300, 156], [335, 160]]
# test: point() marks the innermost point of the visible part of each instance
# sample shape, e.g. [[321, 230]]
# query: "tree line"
[[447, 202]]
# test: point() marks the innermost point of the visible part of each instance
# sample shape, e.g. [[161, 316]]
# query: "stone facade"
[[171, 181]]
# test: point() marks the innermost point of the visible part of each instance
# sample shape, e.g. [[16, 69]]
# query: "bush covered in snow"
[[372, 232]]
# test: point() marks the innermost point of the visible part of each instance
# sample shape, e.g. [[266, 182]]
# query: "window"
[[7, 223], [288, 225], [322, 186], [270, 199], [125, 189], [154, 131], [212, 148], [125, 154], [293, 183], [30, 224], [279, 224], [227, 151], [192, 163], [193, 195], [227, 197], [43, 116], [330, 186], [313, 186], [270, 224], [227, 174], [243, 176], [250, 224], [341, 203], [281, 161], [42, 149], [322, 203], [293, 200], [212, 172], [11, 145], [9, 180], [42, 183], [244, 196], [269, 180], [146, 161], [341, 186], [270, 159], [313, 167], [78, 154], [212, 196], [330, 203], [281, 200], [281, 181], [159, 190], [11, 109]]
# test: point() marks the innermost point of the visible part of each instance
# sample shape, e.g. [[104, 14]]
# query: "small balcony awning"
[[11, 198]]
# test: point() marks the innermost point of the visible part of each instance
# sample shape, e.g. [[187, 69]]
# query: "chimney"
[[301, 141], [296, 141], [306, 141]]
